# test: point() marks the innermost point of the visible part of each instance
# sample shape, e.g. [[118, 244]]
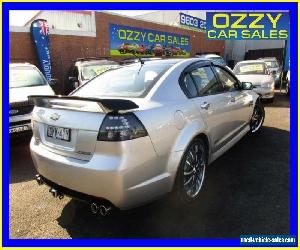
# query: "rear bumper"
[[19, 124], [127, 174]]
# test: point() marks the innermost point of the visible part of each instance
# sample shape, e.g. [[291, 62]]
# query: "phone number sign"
[[247, 25]]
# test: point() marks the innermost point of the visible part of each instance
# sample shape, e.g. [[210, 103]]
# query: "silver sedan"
[[133, 134]]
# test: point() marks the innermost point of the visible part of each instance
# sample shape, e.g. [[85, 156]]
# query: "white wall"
[[170, 17], [69, 20]]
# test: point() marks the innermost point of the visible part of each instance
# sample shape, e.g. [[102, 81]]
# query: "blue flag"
[[40, 35]]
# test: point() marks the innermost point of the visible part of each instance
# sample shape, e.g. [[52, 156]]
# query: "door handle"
[[205, 105]]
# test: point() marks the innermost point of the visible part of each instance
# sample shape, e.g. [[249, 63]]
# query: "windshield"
[[25, 77], [129, 81], [250, 68], [90, 71], [272, 64]]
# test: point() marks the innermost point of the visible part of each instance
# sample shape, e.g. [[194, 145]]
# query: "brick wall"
[[64, 48]]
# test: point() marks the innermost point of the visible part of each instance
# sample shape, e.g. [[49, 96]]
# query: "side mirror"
[[53, 82], [74, 80], [247, 86]]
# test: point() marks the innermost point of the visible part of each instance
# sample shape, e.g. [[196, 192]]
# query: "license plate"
[[18, 129], [59, 133]]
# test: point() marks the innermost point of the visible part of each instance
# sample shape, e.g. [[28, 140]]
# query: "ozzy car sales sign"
[[126, 40], [247, 26]]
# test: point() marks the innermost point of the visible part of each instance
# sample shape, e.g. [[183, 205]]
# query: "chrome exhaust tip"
[[39, 179], [94, 208], [53, 192], [104, 210]]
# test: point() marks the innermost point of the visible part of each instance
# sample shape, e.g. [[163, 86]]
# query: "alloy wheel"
[[194, 170], [257, 118]]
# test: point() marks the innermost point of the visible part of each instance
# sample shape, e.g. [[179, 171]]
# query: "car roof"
[[94, 62], [268, 58], [209, 56], [251, 61], [22, 64], [142, 58], [176, 60]]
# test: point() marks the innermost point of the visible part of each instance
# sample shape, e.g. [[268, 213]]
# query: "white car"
[[257, 73], [287, 86], [24, 79], [135, 133], [274, 68]]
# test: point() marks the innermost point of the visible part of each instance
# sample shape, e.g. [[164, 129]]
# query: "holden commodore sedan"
[[257, 72], [136, 133]]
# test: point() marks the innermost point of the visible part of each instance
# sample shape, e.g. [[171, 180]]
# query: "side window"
[[227, 80], [189, 86], [206, 82]]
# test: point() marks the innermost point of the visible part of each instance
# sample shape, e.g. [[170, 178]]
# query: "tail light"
[[121, 127]]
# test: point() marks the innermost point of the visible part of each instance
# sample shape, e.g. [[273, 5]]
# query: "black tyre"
[[191, 172], [257, 118]]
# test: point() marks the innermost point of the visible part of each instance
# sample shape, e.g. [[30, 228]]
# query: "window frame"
[[191, 68], [231, 74], [217, 81]]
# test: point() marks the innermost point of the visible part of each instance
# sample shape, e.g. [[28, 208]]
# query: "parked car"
[[123, 48], [180, 51], [158, 50], [287, 86], [128, 48], [24, 79], [84, 69], [149, 50], [256, 72], [148, 129], [214, 58], [168, 51], [274, 68], [141, 49]]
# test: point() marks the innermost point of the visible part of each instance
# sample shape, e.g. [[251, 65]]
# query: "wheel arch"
[[179, 154]]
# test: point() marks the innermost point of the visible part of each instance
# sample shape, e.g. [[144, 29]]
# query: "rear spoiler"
[[108, 105]]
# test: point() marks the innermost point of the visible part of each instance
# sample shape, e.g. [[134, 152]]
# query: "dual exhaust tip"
[[102, 209], [96, 208], [55, 193]]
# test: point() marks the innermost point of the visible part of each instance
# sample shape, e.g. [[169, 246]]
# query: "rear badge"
[[55, 117]]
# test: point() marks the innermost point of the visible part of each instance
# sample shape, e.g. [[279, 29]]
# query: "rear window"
[[90, 71], [130, 81], [250, 68], [25, 77]]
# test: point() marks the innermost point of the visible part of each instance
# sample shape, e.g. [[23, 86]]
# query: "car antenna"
[[140, 60]]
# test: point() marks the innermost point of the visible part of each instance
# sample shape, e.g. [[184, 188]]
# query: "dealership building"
[[79, 34]]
